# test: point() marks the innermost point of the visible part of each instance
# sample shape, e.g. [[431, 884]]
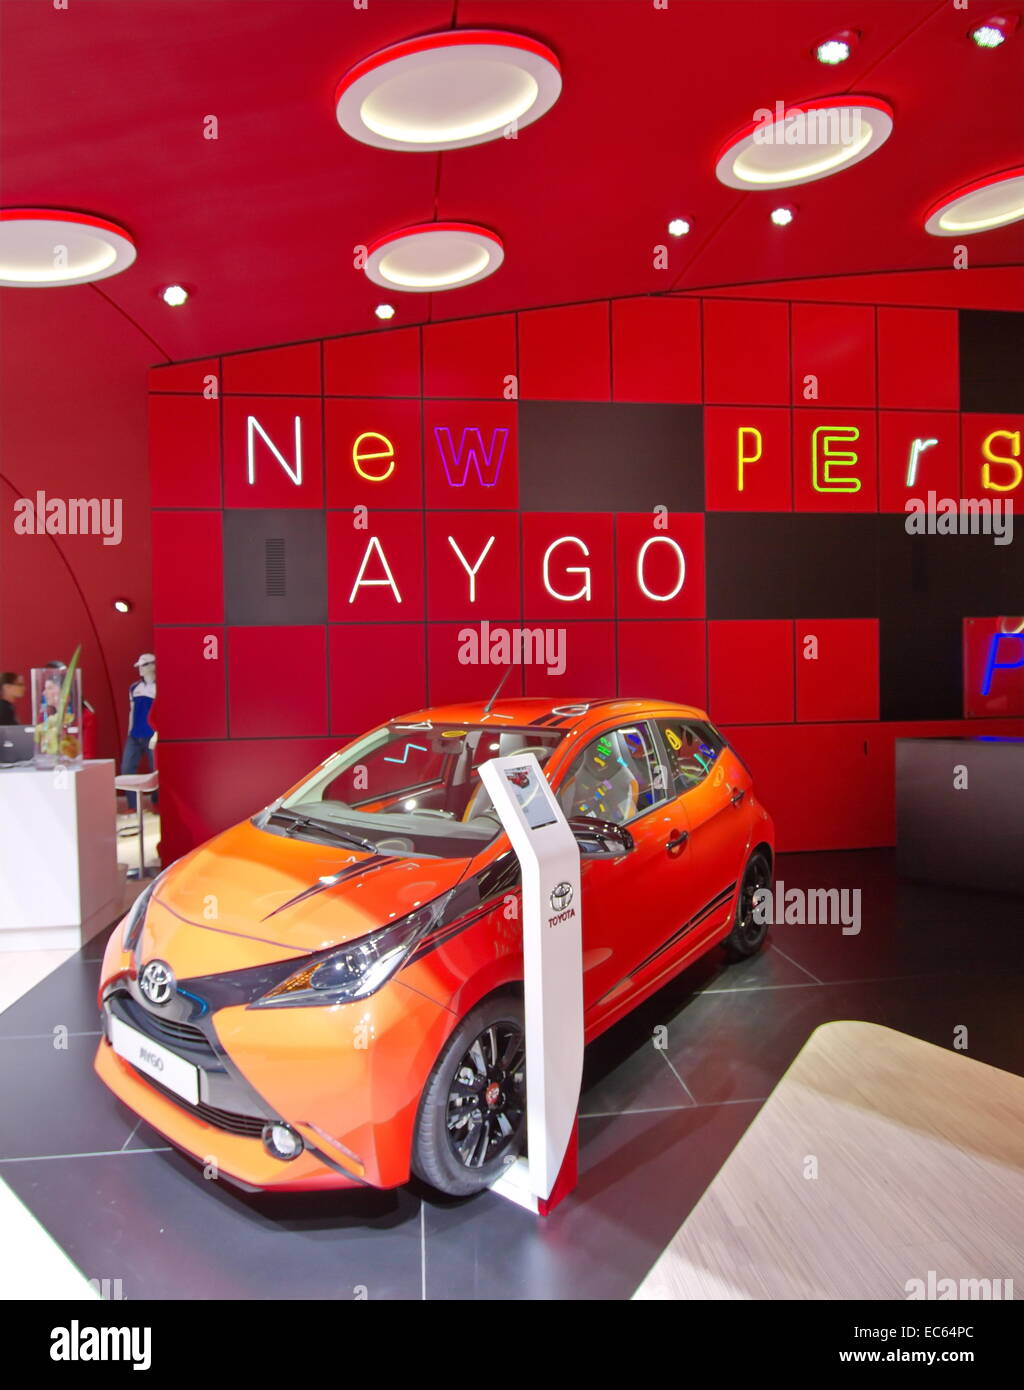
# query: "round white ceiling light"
[[798, 144], [435, 256], [982, 206], [445, 91], [44, 248]]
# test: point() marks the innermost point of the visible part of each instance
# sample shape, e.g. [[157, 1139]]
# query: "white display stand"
[[549, 860], [59, 878]]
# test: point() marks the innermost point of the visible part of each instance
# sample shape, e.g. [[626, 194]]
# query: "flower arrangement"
[[58, 713]]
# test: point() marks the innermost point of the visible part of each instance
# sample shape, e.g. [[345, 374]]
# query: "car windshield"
[[407, 789]]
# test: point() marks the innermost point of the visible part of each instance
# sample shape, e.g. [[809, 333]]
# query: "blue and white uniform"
[[140, 702], [136, 746]]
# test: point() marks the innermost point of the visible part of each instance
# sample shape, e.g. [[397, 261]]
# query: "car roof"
[[545, 712]]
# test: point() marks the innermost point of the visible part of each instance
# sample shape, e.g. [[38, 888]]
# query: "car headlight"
[[358, 968]]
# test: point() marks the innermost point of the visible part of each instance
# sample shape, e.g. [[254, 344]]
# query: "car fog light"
[[281, 1141]]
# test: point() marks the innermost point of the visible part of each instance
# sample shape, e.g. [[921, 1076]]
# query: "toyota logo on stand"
[[561, 896], [157, 982]]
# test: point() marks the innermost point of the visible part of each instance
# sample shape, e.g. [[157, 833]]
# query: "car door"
[[714, 787], [632, 902]]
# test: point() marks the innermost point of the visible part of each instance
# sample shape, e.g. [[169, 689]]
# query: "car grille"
[[246, 1126], [162, 1029], [174, 1031]]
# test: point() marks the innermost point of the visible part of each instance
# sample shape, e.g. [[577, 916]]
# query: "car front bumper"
[[347, 1078]]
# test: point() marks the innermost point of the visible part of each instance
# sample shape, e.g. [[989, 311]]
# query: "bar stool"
[[143, 784]]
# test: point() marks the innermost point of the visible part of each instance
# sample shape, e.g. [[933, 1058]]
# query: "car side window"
[[616, 777], [693, 748]]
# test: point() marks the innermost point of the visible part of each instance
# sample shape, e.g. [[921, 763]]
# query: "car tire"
[[748, 934], [480, 1073]]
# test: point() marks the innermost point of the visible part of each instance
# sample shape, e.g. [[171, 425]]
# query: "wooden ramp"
[[919, 1161]]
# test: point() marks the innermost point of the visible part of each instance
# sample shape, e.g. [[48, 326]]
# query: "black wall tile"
[[598, 456], [991, 361], [275, 568]]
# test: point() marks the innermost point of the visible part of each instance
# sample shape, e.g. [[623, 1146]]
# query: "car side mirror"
[[600, 838]]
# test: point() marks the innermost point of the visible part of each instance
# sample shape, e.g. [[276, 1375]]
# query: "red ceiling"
[[104, 103], [102, 107]]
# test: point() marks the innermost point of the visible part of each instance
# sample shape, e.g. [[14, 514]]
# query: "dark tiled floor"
[[667, 1095]]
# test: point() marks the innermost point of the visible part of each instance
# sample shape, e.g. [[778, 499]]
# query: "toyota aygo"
[[330, 993]]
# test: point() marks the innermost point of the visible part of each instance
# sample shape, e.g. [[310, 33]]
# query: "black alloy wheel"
[[751, 927], [487, 1098], [471, 1122]]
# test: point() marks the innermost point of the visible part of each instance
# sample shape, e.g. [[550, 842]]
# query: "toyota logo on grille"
[[561, 896], [157, 982]]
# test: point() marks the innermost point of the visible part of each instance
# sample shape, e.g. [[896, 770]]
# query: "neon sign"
[[743, 458], [374, 545], [822, 477], [992, 665], [1013, 462], [388, 452], [666, 540], [917, 448], [252, 427], [584, 592], [465, 564], [471, 454]]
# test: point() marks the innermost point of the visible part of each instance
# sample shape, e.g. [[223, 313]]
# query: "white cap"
[[146, 659]]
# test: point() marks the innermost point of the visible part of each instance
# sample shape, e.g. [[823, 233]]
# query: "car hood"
[[272, 888]]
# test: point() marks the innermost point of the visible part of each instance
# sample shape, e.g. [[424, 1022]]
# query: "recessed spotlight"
[[832, 52], [783, 216], [448, 90], [679, 226], [123, 605], [981, 206], [175, 296], [385, 311], [837, 49], [42, 248], [798, 144], [994, 32], [434, 256]]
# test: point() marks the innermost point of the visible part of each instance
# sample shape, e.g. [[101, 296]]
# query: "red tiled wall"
[[245, 710]]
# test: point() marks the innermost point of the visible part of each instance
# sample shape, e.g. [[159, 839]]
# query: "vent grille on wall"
[[276, 578]]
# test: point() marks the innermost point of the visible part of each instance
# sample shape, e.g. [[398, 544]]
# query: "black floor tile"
[[667, 1094], [905, 929], [52, 1102], [66, 998], [641, 1175], [153, 1221]]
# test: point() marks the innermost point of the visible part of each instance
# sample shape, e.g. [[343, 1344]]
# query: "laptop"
[[17, 744]]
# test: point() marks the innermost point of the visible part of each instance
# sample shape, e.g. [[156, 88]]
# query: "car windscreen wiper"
[[312, 823]]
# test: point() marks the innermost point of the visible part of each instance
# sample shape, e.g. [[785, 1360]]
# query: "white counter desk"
[[59, 878]]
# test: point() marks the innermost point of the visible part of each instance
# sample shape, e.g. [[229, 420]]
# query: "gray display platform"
[[960, 811]]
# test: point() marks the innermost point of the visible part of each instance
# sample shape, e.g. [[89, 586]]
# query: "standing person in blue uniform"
[[141, 735]]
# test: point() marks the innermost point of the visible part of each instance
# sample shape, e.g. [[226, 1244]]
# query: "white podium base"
[[59, 878], [514, 1184]]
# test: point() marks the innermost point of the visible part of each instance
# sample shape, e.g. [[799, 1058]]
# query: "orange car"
[[330, 993]]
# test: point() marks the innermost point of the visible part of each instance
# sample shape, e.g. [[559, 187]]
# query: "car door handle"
[[676, 841], [737, 796]]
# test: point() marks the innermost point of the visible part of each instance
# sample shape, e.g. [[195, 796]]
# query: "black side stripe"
[[361, 866], [442, 936], [677, 936]]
